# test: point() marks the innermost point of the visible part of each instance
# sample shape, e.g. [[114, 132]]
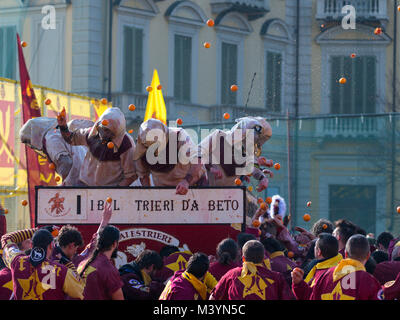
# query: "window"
[[229, 70], [274, 81], [133, 59], [358, 94], [182, 68], [356, 203], [8, 52]]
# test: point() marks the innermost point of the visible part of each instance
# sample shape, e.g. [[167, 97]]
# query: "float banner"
[[138, 205]]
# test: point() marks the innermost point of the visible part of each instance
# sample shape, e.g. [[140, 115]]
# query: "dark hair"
[[268, 226], [380, 256], [243, 237], [167, 250], [198, 264], [346, 229], [357, 247], [384, 239], [69, 234], [253, 251], [328, 245], [105, 239], [148, 258], [318, 227], [370, 265], [41, 239], [272, 245], [227, 251]]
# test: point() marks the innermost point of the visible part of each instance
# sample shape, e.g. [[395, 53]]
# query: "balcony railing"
[[365, 9], [349, 127]]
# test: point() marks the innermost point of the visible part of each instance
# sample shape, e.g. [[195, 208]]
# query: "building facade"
[[286, 56]]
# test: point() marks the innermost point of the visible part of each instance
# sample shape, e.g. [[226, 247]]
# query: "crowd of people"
[[331, 261], [338, 262]]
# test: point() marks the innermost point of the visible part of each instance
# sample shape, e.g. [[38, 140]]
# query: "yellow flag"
[[155, 102]]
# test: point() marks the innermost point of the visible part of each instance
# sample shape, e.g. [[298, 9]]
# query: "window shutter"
[[8, 52], [228, 73], [128, 60], [274, 81], [182, 68], [2, 53], [335, 90], [138, 70], [370, 79]]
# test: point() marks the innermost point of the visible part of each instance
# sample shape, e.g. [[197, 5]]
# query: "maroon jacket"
[[282, 264], [391, 289], [265, 285], [218, 269], [387, 271], [174, 262], [6, 285], [357, 285], [179, 288]]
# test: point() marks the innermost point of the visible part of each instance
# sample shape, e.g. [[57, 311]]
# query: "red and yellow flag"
[[38, 171]]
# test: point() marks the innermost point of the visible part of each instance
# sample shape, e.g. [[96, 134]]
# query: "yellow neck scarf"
[[146, 278], [345, 267], [200, 287], [276, 254], [332, 262], [249, 267]]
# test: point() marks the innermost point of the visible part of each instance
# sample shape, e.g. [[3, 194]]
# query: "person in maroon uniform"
[[138, 277], [35, 277], [349, 279], [279, 262], [252, 281], [189, 284], [69, 240], [390, 290], [173, 260], [227, 258], [326, 256], [388, 270], [102, 278]]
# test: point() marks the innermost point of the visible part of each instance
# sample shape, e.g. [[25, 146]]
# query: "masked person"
[[169, 156], [35, 276], [221, 150], [108, 161], [39, 135]]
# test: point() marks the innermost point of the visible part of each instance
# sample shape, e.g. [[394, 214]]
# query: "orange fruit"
[[342, 80], [234, 88], [159, 87], [263, 206], [52, 166], [149, 88], [104, 101], [57, 179], [290, 254], [259, 200], [47, 102], [324, 226], [268, 200], [250, 188], [109, 200], [227, 115], [54, 233], [398, 8], [179, 121], [398, 209], [130, 131], [132, 107], [353, 55], [207, 45], [5, 211], [256, 223], [104, 122], [210, 22], [306, 217], [110, 145], [24, 202], [309, 204], [378, 31], [238, 182], [24, 44], [277, 166]]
